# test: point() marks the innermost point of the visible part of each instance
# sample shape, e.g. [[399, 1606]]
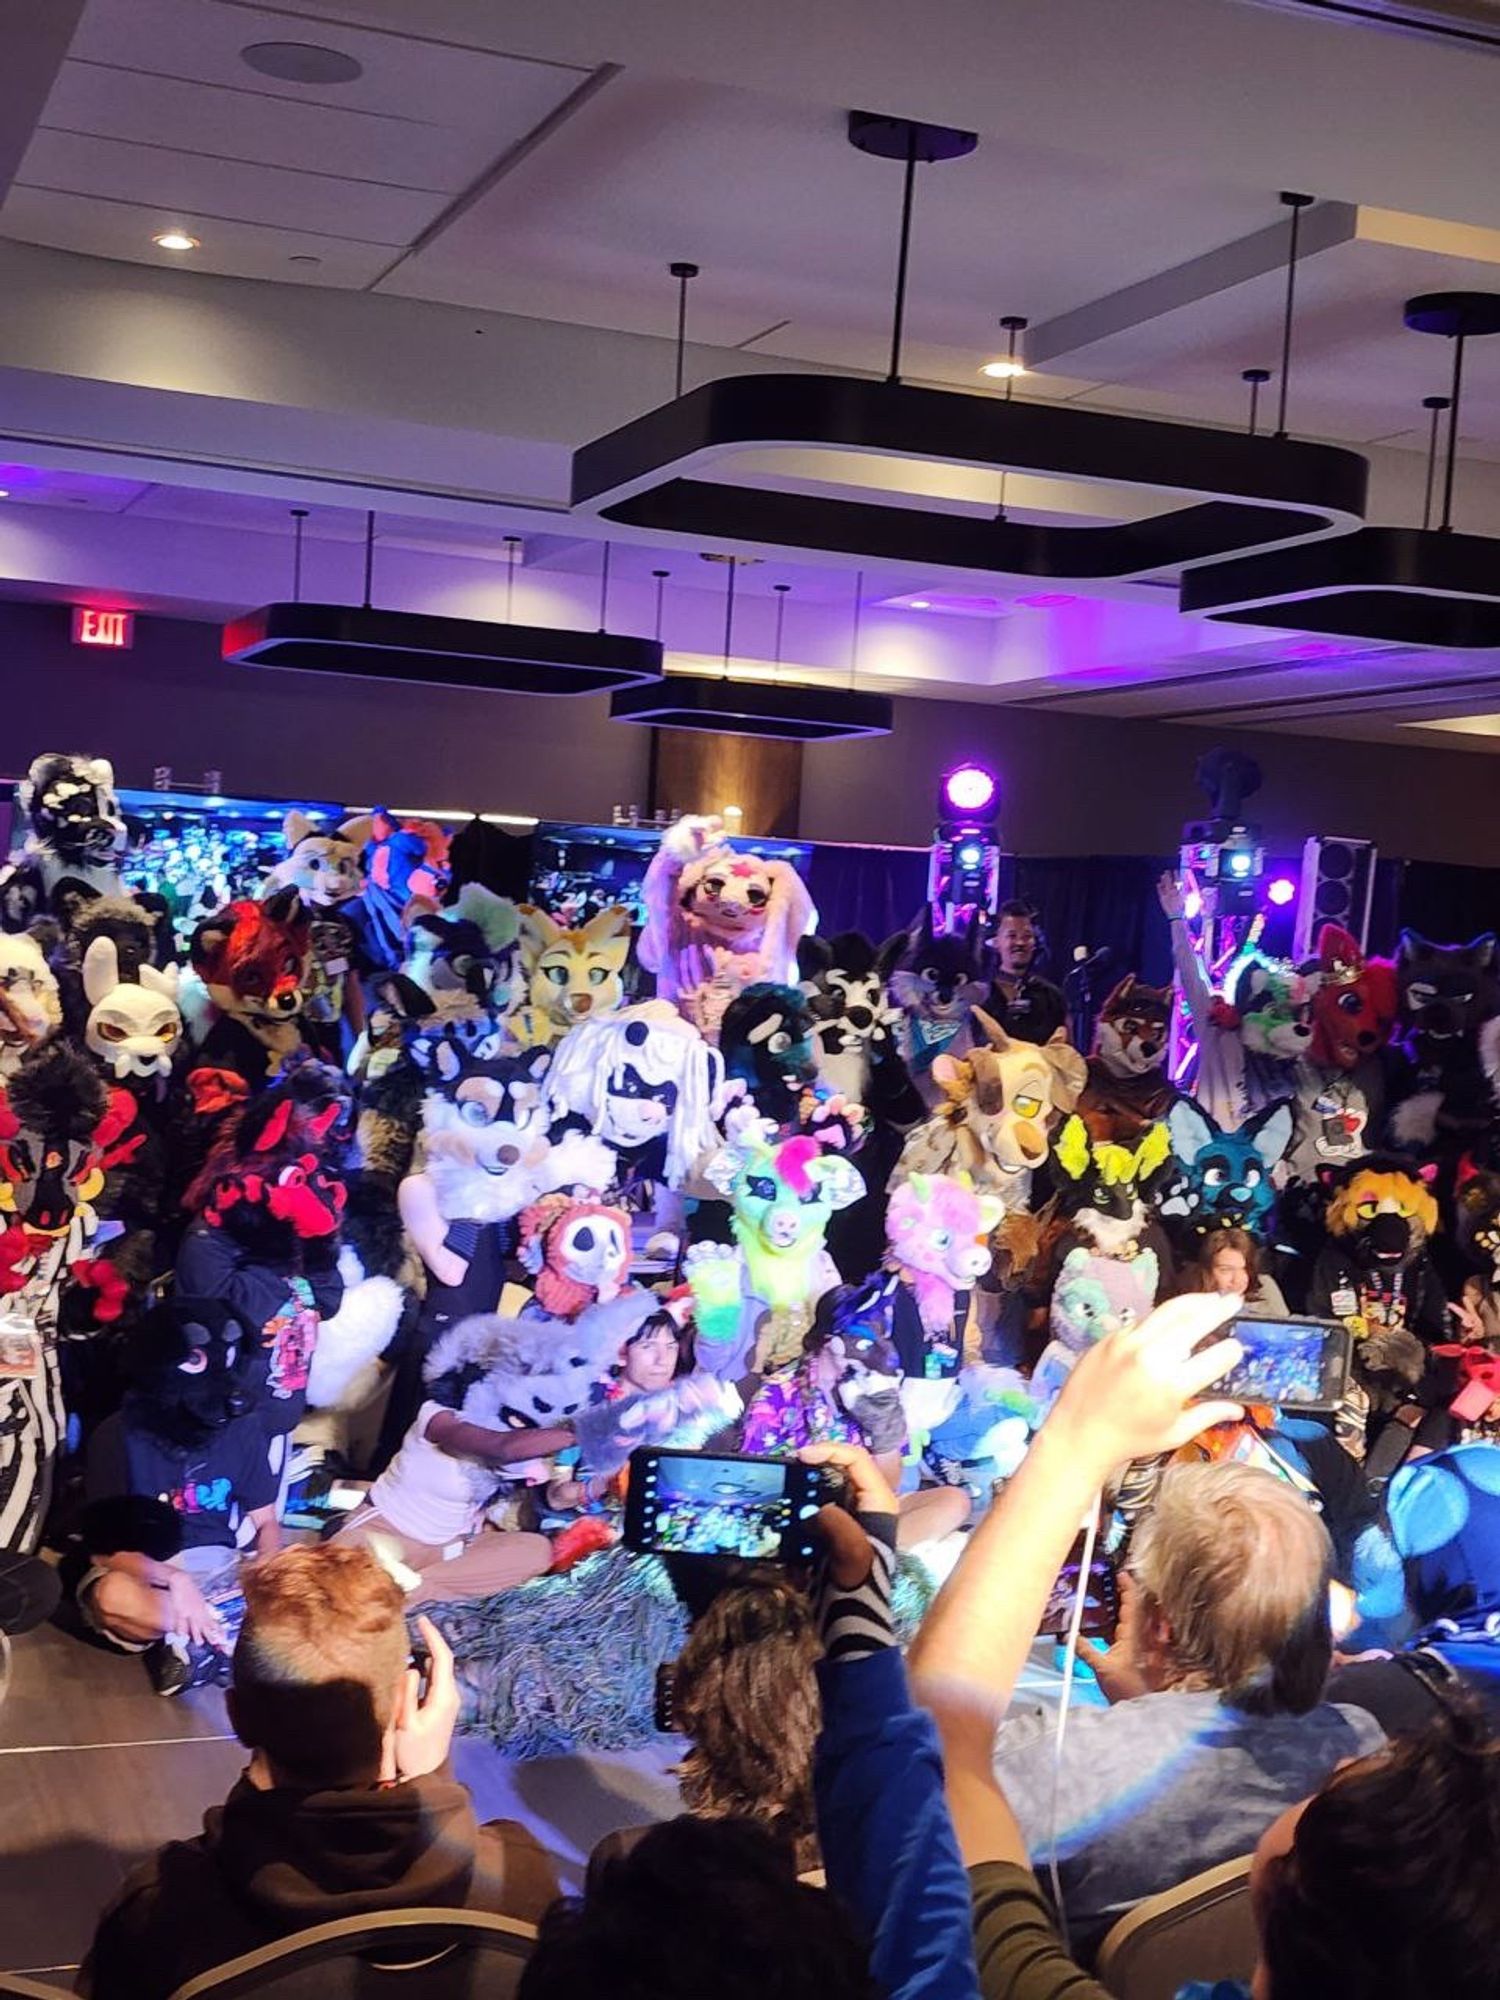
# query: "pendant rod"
[[604, 590], [512, 549], [369, 554], [908, 196], [299, 515], [1296, 203], [684, 274], [661, 576], [729, 615], [1445, 526], [1434, 405]]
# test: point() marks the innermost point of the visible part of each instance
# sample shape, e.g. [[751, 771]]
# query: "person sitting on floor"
[[1229, 1263], [347, 1806], [179, 1482]]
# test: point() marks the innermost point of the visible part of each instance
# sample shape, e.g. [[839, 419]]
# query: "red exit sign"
[[103, 628]]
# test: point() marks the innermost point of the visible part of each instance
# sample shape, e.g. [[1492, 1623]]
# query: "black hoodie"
[[269, 1863]]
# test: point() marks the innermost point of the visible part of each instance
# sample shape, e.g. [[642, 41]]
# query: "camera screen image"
[[720, 1507], [1284, 1362]]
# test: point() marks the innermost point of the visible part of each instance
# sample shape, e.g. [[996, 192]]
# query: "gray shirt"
[[1155, 1790]]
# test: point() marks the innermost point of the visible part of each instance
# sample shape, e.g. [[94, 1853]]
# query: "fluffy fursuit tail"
[[567, 1662]]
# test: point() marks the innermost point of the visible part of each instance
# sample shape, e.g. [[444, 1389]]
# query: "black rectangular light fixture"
[[1244, 493], [787, 712], [424, 650], [1406, 586]]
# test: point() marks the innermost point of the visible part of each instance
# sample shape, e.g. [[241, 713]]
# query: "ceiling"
[[420, 284]]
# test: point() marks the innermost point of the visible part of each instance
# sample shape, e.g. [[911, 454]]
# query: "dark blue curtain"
[[877, 890]]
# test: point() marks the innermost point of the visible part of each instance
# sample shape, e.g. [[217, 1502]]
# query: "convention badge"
[[1344, 1303], [21, 1348]]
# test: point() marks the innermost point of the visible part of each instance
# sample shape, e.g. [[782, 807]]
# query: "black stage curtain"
[[877, 890]]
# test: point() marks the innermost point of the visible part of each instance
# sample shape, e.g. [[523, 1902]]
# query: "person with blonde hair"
[[346, 1807], [1215, 1680]]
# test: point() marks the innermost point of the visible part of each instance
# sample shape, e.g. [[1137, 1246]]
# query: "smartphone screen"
[[1101, 1601], [1298, 1364], [689, 1503]]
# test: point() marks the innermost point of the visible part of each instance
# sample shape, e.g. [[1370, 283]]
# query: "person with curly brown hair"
[[745, 1694]]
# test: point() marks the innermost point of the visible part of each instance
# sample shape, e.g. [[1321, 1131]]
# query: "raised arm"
[[1191, 976], [1129, 1397]]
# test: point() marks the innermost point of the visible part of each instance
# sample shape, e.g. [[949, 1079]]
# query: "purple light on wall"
[[1282, 891], [1048, 600], [969, 789]]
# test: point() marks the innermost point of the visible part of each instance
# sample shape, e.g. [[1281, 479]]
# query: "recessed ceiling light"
[[1003, 371], [4, 492], [301, 62], [304, 257], [175, 239], [920, 603]]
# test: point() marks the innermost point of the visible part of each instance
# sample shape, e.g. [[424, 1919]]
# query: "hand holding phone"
[[1295, 1364], [724, 1504]]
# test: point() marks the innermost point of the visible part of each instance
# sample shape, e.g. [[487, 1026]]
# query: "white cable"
[[1075, 1626]]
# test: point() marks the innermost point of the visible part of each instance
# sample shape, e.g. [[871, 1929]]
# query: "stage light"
[[969, 789], [1282, 891], [1240, 863], [970, 855]]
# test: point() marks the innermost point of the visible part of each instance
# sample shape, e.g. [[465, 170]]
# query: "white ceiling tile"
[[230, 190], [406, 75], [231, 249]]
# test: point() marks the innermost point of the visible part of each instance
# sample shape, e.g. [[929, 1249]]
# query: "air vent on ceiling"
[[1476, 23]]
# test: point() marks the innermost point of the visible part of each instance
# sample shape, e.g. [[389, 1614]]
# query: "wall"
[[285, 735], [1076, 784], [1072, 784]]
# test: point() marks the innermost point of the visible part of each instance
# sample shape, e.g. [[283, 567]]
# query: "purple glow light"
[[969, 789], [1192, 905], [1282, 891], [1048, 600]]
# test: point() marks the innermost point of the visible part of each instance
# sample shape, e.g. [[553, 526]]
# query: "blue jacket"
[[888, 1845]]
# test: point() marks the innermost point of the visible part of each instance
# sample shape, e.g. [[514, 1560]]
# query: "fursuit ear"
[[284, 906], [991, 1029], [1145, 1267], [814, 956], [1338, 947], [888, 957], [1115, 1000], [295, 828], [212, 935], [1069, 1070], [358, 831], [160, 979], [273, 1132], [1071, 1149], [840, 1182], [1482, 951], [1076, 1262], [446, 1060], [1152, 1153], [538, 932], [1412, 948], [1190, 1129], [611, 926], [402, 996], [1270, 1131], [991, 1213], [101, 970], [948, 1071]]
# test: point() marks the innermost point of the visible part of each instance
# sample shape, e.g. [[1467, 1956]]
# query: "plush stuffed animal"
[[572, 975], [577, 1251], [1225, 1180], [327, 871], [1446, 994], [937, 982], [30, 1006], [1000, 1104], [1128, 1087], [61, 1134], [1093, 1296], [647, 1085], [718, 920], [250, 971], [756, 1302], [74, 836], [1375, 1273]]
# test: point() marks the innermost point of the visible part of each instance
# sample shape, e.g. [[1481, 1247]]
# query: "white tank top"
[[427, 1494]]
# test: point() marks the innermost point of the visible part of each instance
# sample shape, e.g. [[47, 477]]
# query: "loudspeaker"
[[1338, 881]]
